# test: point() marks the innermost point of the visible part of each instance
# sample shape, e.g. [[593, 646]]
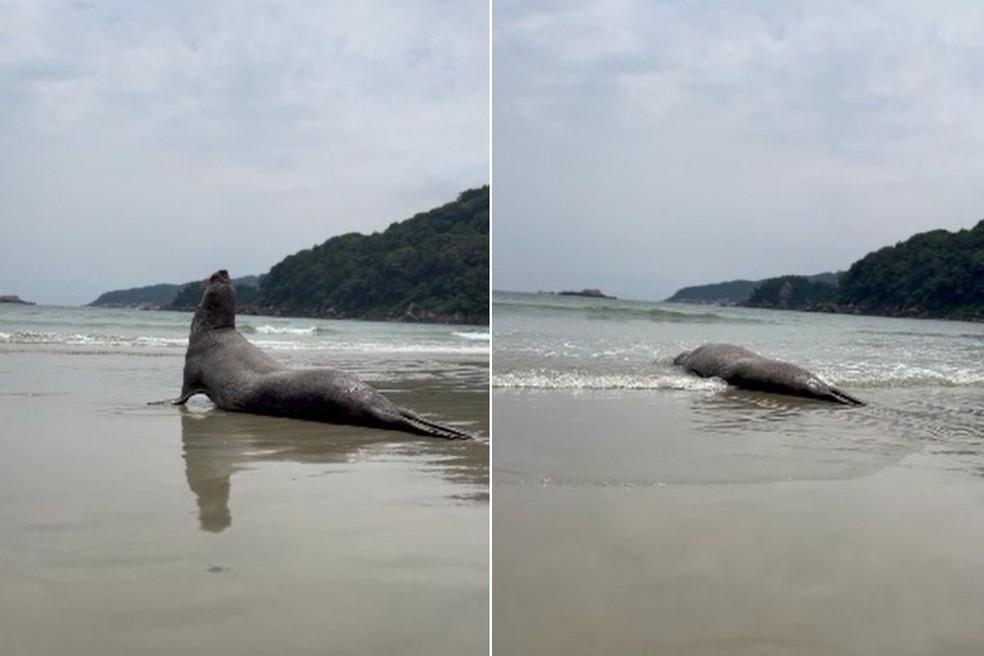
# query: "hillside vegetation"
[[936, 274], [792, 292], [742, 292], [431, 267], [720, 293], [190, 294], [150, 295], [161, 295]]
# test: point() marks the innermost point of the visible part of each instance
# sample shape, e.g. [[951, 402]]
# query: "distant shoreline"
[[410, 315], [852, 310]]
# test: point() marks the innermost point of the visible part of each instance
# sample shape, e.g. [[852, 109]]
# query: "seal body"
[[237, 376], [742, 368]]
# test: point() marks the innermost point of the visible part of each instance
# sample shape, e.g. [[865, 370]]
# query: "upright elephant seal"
[[742, 368], [237, 376]]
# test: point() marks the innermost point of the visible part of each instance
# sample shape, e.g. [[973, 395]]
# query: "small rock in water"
[[215, 569]]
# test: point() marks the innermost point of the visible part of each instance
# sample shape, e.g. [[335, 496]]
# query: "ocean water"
[[128, 528], [673, 514], [924, 380]]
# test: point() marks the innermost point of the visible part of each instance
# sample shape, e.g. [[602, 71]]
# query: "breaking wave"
[[267, 329], [35, 339], [617, 312], [478, 336], [551, 380]]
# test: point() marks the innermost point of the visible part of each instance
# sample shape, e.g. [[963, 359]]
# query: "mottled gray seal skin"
[[742, 368], [237, 376]]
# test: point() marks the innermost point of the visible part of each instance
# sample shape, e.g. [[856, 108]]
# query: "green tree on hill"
[[937, 273], [791, 292], [434, 265]]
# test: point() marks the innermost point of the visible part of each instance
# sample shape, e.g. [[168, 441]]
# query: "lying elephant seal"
[[742, 368], [235, 375]]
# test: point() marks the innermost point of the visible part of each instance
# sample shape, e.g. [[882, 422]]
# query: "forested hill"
[[190, 294], [737, 292], [936, 274], [150, 295], [431, 267], [155, 296], [720, 293], [931, 274]]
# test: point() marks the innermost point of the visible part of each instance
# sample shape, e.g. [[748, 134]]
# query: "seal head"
[[218, 306]]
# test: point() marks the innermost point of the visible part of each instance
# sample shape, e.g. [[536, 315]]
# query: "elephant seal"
[[742, 368], [237, 376]]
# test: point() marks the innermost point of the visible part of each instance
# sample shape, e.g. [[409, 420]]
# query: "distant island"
[[590, 293], [432, 267], [14, 298], [934, 275]]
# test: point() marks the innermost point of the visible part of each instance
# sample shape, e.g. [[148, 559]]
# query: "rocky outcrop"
[[589, 293], [14, 298]]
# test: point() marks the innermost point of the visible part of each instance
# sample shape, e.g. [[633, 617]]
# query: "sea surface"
[[641, 507], [128, 528]]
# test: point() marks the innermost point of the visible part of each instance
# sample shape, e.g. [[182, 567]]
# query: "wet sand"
[[135, 529], [624, 524]]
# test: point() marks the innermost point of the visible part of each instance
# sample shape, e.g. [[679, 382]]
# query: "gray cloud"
[[144, 142], [642, 146]]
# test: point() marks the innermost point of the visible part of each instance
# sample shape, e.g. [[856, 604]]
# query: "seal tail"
[[417, 424]]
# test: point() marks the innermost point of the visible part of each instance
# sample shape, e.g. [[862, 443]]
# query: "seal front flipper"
[[181, 400]]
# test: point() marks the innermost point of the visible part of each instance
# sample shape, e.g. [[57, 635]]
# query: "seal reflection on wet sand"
[[218, 444]]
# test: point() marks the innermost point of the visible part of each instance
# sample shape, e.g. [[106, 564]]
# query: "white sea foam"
[[37, 338], [903, 375], [267, 329], [579, 381], [372, 347], [80, 339], [478, 336]]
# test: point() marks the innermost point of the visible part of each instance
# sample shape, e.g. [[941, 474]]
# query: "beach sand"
[[134, 529], [623, 525]]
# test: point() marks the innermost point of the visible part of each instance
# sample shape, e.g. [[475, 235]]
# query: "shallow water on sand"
[[641, 510], [135, 529]]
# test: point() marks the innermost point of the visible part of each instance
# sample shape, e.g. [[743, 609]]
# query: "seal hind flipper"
[[181, 400], [423, 426], [845, 398]]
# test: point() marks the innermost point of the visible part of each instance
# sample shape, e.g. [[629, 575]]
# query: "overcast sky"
[[640, 146], [145, 142]]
